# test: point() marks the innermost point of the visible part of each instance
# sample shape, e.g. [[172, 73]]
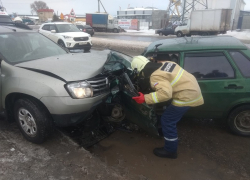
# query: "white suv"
[[66, 35]]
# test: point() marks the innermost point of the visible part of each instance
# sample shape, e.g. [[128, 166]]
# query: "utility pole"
[[99, 1], [98, 6], [179, 9]]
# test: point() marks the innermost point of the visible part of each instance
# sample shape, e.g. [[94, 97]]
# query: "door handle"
[[233, 86]]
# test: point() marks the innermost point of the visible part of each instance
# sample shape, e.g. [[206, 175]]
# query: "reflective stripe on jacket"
[[170, 81]]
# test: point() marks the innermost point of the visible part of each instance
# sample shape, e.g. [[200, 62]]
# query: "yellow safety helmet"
[[139, 62]]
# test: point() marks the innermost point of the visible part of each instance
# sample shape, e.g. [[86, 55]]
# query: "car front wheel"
[[179, 34], [87, 49], [61, 43], [239, 120], [33, 120]]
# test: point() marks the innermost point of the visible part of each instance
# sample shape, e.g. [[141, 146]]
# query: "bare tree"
[[38, 5]]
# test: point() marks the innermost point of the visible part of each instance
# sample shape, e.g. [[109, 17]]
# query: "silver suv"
[[42, 84]]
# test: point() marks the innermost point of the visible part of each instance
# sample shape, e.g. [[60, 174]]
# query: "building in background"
[[71, 17], [148, 17], [45, 14], [244, 20], [80, 18]]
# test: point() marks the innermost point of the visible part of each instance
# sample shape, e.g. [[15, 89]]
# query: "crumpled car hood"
[[70, 67]]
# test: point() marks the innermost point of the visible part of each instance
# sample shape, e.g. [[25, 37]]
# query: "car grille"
[[81, 38], [100, 86]]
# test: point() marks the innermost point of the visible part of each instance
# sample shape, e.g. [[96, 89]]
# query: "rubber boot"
[[162, 152]]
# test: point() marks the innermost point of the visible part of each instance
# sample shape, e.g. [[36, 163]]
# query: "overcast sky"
[[85, 6], [82, 6]]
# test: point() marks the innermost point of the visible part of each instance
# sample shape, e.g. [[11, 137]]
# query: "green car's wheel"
[[239, 120]]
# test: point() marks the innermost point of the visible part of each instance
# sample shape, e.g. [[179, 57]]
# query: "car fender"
[[60, 37], [234, 105], [20, 80]]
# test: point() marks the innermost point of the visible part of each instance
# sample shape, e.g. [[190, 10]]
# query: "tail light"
[[84, 30]]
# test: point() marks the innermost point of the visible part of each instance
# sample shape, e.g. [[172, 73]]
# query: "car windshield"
[[22, 46], [79, 26], [87, 27], [5, 19], [67, 28]]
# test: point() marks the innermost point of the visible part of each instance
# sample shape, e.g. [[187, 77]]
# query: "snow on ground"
[[242, 35], [142, 32], [119, 45]]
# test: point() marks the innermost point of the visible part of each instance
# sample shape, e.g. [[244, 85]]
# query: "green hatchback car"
[[221, 65]]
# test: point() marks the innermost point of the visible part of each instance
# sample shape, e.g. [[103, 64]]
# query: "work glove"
[[139, 99]]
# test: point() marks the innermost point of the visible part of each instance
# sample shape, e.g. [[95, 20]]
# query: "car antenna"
[[156, 50], [156, 47]]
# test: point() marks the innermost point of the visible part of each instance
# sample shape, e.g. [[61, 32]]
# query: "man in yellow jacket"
[[169, 82]]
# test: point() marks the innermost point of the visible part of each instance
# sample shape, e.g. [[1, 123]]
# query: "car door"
[[140, 114], [242, 61], [45, 30], [52, 35], [221, 84], [168, 31]]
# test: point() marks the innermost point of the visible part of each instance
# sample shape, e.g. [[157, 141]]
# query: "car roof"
[[12, 28], [197, 43]]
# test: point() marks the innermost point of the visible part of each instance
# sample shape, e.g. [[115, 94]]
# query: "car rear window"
[[242, 62], [208, 66]]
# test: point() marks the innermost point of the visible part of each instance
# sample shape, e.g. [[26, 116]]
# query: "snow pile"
[[242, 35], [142, 32], [119, 45]]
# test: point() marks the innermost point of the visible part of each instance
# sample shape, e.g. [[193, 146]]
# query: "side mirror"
[[53, 31]]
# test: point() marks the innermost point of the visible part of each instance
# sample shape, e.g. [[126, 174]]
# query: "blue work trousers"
[[169, 119]]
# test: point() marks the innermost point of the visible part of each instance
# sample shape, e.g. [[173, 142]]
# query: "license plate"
[[82, 43]]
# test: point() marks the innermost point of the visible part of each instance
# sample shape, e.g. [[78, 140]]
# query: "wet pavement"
[[207, 150]]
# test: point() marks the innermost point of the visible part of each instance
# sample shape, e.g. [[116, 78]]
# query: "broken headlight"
[[80, 90]]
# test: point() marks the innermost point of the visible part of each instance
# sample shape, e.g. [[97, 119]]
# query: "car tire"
[[179, 34], [87, 49], [205, 34], [161, 34], [115, 30], [33, 120], [239, 120], [61, 43]]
